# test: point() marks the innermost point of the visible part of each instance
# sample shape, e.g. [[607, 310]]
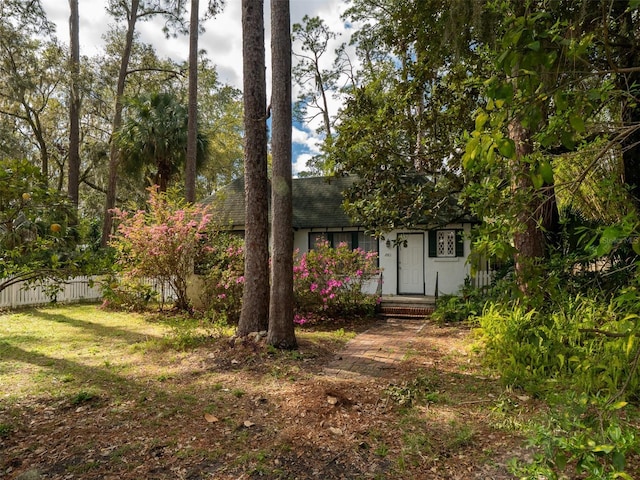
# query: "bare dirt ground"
[[238, 410]]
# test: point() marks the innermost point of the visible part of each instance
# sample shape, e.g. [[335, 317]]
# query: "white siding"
[[450, 272]]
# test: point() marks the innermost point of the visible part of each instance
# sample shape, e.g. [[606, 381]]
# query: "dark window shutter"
[[433, 243], [459, 243]]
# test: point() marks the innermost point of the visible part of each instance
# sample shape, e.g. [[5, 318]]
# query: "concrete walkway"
[[376, 352]]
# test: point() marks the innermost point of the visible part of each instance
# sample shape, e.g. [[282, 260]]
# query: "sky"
[[222, 40]]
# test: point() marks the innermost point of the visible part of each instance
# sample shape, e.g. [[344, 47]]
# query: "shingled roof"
[[317, 203]]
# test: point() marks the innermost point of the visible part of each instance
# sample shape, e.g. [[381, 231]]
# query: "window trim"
[[330, 239], [433, 243]]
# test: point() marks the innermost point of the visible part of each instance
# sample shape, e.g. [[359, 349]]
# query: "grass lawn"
[[93, 394]]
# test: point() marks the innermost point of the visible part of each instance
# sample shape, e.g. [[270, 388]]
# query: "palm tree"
[[153, 139]]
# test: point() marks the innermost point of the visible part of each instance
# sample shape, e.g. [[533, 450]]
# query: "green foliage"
[[83, 396], [584, 438], [38, 238], [130, 294], [454, 308], [414, 88], [6, 430], [581, 353], [155, 136], [222, 269], [577, 343], [220, 115]]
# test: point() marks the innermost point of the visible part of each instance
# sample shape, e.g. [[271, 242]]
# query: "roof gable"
[[317, 203]]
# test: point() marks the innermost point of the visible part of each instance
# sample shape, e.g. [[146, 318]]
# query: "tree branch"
[[604, 332], [160, 70]]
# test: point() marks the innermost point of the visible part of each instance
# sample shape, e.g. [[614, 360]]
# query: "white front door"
[[411, 263]]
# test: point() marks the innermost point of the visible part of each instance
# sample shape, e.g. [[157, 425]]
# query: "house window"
[[446, 243], [352, 239], [367, 243], [316, 239], [342, 237]]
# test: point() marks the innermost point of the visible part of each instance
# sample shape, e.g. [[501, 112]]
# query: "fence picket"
[[84, 288]]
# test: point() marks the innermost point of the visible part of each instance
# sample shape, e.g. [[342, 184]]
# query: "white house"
[[430, 261]]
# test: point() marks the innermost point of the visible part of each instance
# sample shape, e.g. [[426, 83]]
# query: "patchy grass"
[[90, 394]]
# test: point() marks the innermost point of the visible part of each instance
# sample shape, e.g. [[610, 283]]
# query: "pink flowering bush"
[[222, 268], [161, 243], [329, 281], [166, 242]]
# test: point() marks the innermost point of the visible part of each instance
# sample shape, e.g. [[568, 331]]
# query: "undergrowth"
[[579, 353]]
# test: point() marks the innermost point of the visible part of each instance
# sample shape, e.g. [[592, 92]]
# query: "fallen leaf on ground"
[[210, 418]]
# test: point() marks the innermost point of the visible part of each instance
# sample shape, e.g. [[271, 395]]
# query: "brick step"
[[406, 311]]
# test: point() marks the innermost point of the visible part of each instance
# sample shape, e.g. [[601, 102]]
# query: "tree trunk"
[[630, 82], [163, 175], [110, 201], [255, 299], [73, 187], [192, 129], [528, 239], [325, 103], [281, 327]]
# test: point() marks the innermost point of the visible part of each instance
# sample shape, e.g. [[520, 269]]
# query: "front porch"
[[407, 306]]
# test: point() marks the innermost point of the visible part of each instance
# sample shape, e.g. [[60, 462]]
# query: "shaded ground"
[[404, 400]]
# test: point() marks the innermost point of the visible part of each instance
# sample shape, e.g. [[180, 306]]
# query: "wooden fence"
[[482, 278], [80, 289], [77, 289], [73, 290]]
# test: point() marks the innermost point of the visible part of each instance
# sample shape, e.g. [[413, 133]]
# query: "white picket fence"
[[86, 288], [73, 290], [483, 278]]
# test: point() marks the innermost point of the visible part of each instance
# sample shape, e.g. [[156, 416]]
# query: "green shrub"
[[5, 430], [132, 294], [584, 438], [583, 354], [222, 269], [583, 344], [452, 308]]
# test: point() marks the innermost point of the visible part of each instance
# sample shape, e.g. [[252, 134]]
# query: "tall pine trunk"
[[110, 201], [281, 327], [192, 124], [73, 186], [255, 299]]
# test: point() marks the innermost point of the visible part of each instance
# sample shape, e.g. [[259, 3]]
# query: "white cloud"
[[300, 163], [222, 40], [306, 140]]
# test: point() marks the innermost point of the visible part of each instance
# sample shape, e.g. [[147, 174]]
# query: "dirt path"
[[469, 420]]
